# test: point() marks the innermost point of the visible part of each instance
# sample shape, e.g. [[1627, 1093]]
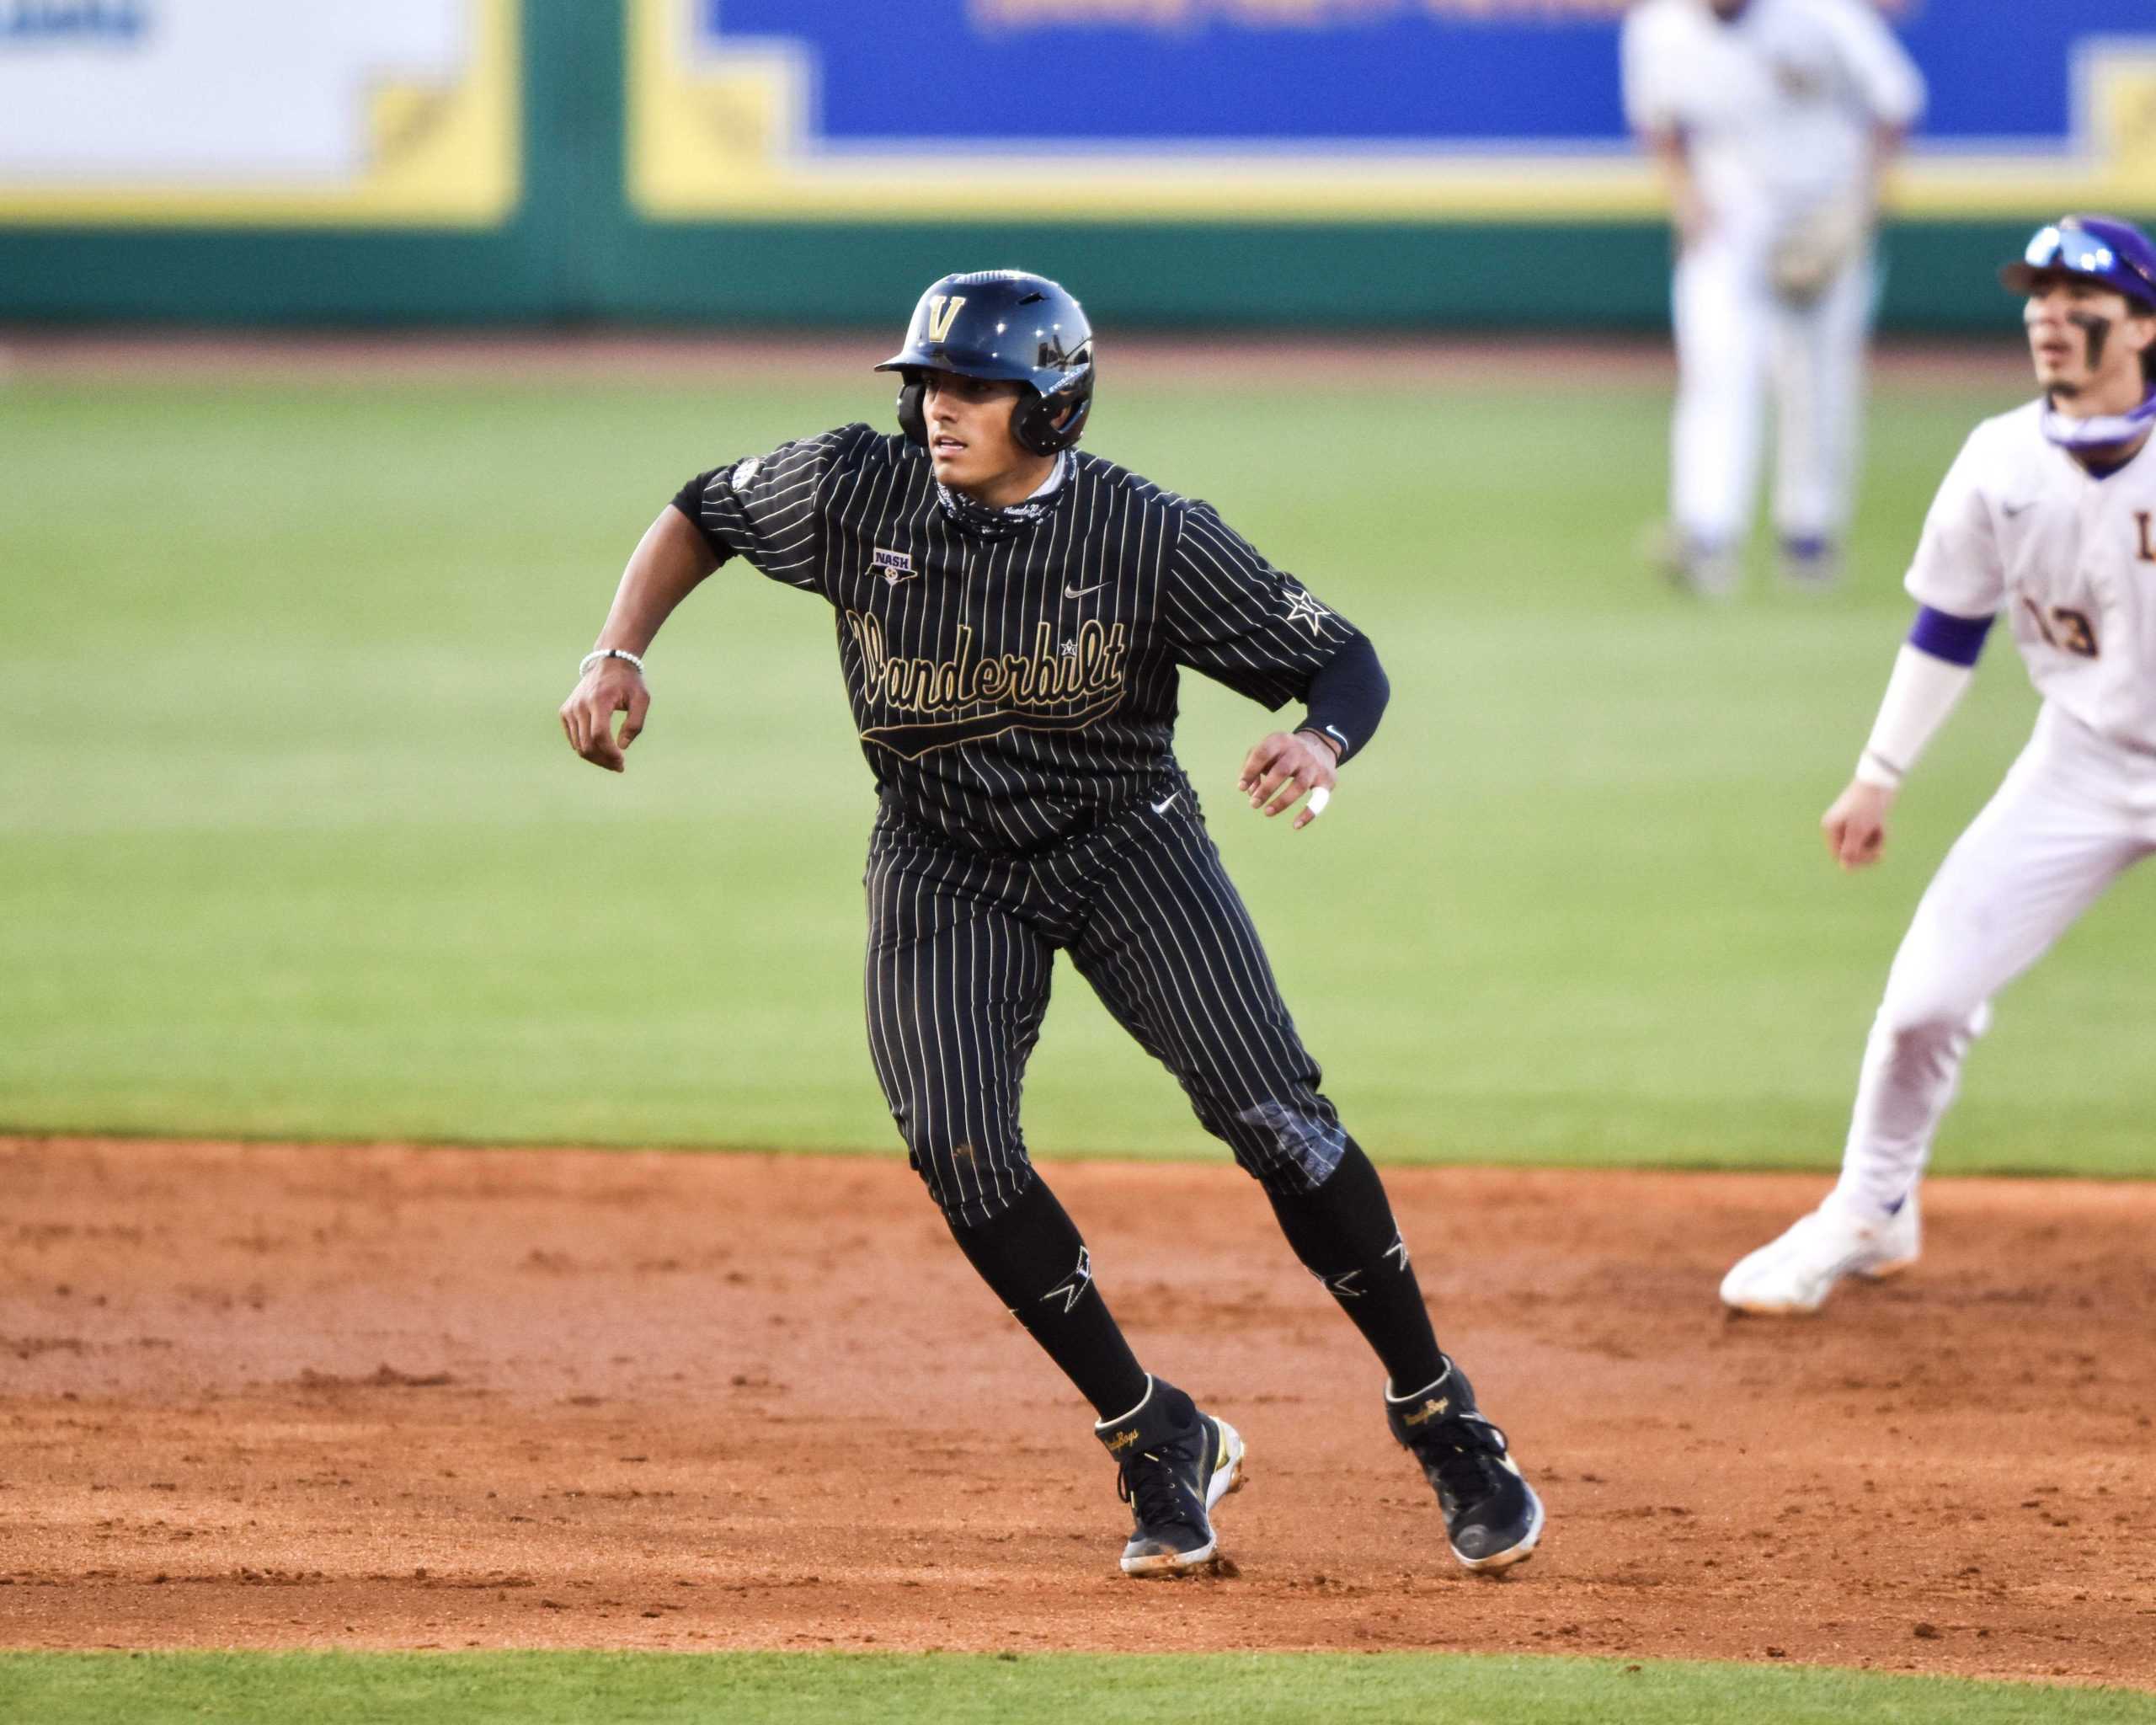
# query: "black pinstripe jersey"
[[1009, 685]]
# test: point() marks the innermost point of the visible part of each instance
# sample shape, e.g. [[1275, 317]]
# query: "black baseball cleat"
[[1176, 1463], [1493, 1518]]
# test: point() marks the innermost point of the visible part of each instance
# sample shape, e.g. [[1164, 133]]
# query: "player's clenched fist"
[[1280, 770], [1856, 825], [608, 687]]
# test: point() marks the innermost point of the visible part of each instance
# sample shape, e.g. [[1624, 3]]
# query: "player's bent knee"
[[1287, 1146], [1925, 1030], [969, 1185]]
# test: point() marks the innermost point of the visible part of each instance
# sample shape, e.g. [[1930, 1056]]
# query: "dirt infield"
[[273, 1397]]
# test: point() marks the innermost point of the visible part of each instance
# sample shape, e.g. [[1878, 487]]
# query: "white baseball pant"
[[1734, 334], [2076, 811]]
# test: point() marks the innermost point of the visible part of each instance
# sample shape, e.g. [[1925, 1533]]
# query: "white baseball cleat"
[[1795, 1274]]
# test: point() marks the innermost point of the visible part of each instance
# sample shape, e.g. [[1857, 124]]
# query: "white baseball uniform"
[[2019, 526], [1778, 110]]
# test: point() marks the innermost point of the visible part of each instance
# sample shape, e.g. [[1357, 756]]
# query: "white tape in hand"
[[1318, 799]]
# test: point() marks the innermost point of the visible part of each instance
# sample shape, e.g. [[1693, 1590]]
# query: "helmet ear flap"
[[913, 418], [1033, 421]]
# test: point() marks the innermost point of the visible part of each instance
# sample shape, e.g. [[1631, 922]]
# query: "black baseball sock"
[[1345, 1236], [1033, 1257]]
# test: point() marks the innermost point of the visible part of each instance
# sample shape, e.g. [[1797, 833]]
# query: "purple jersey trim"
[[1957, 639]]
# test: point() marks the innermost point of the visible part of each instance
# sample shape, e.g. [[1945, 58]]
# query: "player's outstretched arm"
[[668, 561], [1932, 672]]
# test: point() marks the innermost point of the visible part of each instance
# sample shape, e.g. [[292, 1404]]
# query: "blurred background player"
[[1773, 120], [2048, 515]]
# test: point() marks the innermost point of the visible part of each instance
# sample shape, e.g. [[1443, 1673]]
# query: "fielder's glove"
[[1816, 248]]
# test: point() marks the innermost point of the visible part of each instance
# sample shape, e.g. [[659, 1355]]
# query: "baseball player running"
[[1772, 120], [2049, 516], [1011, 618]]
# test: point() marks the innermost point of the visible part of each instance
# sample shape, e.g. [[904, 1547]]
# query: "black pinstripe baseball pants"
[[960, 947]]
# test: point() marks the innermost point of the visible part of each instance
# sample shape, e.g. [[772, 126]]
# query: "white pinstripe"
[[1157, 929], [1188, 591], [1019, 826]]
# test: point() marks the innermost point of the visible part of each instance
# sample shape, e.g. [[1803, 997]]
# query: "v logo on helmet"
[[944, 309]]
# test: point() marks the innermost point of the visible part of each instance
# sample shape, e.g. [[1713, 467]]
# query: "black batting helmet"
[[1015, 328]]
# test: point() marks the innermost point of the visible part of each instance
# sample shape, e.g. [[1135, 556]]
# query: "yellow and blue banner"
[[245, 113], [1301, 109]]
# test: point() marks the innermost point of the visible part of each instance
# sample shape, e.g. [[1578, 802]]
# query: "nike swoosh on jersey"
[[1071, 592]]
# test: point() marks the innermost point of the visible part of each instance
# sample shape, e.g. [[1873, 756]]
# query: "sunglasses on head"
[[2079, 252]]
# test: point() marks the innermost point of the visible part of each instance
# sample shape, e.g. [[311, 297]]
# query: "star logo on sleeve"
[[1303, 609]]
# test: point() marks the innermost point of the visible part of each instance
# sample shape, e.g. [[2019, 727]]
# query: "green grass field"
[[298, 851], [813, 1689]]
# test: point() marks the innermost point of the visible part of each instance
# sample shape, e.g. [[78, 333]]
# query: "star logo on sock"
[[1074, 1286]]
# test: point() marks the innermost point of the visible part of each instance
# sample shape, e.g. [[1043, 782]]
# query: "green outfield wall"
[[561, 234]]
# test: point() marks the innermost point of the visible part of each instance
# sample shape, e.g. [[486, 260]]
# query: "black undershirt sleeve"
[[1348, 695]]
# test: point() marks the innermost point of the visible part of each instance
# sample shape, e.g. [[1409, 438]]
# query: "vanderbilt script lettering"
[[1046, 677]]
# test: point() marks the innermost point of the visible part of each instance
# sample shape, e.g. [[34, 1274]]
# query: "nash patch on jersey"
[[896, 565]]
